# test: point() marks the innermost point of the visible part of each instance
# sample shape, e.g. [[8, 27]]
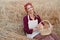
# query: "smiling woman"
[[31, 23]]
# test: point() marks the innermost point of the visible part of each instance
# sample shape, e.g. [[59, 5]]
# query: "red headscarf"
[[25, 6]]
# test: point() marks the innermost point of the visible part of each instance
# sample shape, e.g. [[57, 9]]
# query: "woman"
[[31, 21]]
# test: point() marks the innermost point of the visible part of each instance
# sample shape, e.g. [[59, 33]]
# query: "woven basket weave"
[[45, 31]]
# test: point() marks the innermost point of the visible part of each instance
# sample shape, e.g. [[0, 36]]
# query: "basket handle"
[[48, 22]]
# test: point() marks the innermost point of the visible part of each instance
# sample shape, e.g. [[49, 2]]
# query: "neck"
[[31, 15]]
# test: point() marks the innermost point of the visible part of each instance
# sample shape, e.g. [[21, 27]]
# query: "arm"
[[26, 28], [39, 20]]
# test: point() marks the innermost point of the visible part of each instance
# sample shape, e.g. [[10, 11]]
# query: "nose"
[[31, 9]]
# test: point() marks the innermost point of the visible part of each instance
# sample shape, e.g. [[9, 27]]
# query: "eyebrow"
[[30, 7]]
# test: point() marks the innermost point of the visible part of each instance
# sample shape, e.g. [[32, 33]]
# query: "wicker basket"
[[45, 31]]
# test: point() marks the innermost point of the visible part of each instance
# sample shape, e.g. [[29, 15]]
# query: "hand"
[[35, 29], [39, 26]]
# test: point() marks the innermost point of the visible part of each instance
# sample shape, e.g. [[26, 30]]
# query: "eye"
[[29, 8]]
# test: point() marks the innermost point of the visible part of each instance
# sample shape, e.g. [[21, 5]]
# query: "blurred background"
[[12, 13]]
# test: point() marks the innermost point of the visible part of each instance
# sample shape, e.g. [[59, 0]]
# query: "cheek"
[[31, 10]]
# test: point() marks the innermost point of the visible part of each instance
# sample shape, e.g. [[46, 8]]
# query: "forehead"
[[28, 6]]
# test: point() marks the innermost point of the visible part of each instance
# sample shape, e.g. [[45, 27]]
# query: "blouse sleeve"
[[39, 20], [26, 28]]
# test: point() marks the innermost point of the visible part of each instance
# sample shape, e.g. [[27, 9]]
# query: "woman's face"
[[30, 9]]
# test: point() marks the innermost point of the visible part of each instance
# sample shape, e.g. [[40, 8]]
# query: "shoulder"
[[38, 16], [25, 17]]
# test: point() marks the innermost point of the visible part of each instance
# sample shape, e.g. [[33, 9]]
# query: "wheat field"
[[12, 13]]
